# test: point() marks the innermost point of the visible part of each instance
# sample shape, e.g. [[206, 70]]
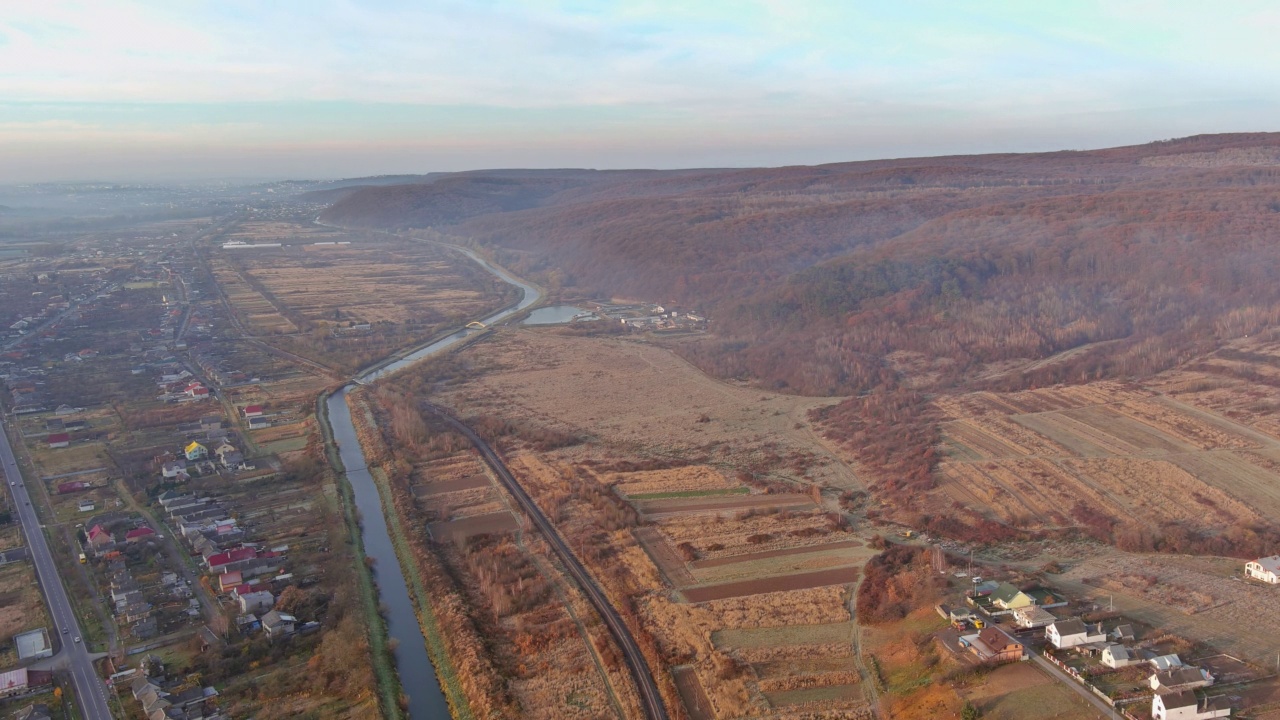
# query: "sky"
[[180, 89]]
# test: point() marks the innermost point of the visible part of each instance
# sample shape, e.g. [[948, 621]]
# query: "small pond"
[[558, 314]]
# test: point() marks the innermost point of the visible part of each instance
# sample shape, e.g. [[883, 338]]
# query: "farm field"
[[703, 489], [1113, 453], [344, 305]]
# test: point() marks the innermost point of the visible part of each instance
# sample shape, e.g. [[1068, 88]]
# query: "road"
[[650, 698], [91, 692]]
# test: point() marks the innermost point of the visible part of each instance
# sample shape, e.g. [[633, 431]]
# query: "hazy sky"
[[173, 89]]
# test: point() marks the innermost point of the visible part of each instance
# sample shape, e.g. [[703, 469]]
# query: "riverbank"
[[389, 691], [373, 521], [414, 566]]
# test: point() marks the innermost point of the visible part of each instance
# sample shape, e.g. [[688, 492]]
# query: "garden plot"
[[783, 562], [778, 583], [689, 479], [726, 504], [456, 531]]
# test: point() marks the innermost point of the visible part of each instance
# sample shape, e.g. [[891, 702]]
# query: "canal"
[[417, 674]]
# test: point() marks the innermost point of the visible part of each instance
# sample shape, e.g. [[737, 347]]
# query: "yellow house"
[[195, 451], [1009, 597]]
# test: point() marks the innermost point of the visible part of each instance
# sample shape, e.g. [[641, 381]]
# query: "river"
[[417, 675]]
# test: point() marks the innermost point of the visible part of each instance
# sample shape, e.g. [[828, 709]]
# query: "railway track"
[[650, 698]]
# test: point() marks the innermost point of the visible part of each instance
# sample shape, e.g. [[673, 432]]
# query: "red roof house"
[[138, 534], [99, 536], [215, 562], [252, 411], [58, 440], [70, 487]]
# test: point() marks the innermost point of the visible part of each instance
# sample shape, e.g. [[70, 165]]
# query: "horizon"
[[141, 92], [248, 180]]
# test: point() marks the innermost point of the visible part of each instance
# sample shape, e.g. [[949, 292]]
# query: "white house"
[[1117, 656], [1266, 569], [1073, 633], [1033, 617], [255, 601], [1184, 705]]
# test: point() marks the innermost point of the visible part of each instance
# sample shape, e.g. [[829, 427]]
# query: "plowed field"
[[1035, 458]]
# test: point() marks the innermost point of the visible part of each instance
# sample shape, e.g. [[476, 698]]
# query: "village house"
[[228, 580], [1033, 616], [1008, 597], [86, 506], [1123, 633], [58, 440], [258, 423], [1073, 633], [139, 534], [277, 624], [252, 602], [1266, 569], [993, 645], [1165, 662], [174, 469], [1183, 678], [1184, 705], [99, 538], [1117, 656], [252, 411], [196, 391], [195, 451]]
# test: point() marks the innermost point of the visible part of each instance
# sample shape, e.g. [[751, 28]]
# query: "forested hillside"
[[893, 280]]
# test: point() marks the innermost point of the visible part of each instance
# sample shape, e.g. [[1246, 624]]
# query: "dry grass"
[[681, 479], [1126, 452], [21, 608]]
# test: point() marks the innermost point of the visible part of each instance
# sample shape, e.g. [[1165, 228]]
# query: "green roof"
[[1005, 593]]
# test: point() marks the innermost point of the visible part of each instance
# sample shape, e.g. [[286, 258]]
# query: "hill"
[[895, 281]]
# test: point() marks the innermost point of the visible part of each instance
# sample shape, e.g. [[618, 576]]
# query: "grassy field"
[[21, 608]]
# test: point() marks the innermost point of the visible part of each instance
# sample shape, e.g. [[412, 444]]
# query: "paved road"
[[91, 693], [650, 698]]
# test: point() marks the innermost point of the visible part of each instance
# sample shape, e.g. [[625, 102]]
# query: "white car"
[[77, 639]]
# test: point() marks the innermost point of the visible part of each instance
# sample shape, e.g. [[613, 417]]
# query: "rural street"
[[91, 692], [650, 698], [1062, 677]]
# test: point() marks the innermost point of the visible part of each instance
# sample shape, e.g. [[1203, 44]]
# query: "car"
[[77, 638], [66, 631]]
